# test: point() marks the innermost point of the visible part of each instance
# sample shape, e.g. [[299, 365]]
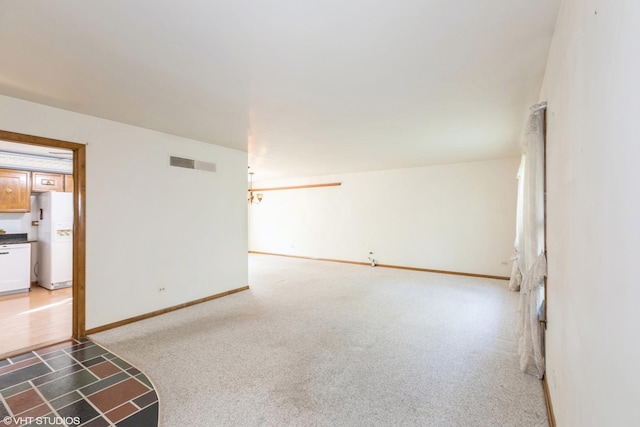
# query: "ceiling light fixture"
[[253, 198]]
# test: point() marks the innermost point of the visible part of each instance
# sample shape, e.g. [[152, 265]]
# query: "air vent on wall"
[[181, 162]]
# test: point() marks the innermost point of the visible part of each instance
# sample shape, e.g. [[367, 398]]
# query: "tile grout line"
[[121, 405], [45, 362], [141, 382], [64, 376], [13, 365], [6, 405], [107, 387], [46, 401], [100, 413], [34, 387]]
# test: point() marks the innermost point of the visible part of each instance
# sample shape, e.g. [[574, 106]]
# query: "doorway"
[[79, 230]]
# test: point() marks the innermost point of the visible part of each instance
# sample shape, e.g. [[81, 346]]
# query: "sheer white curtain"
[[529, 262]]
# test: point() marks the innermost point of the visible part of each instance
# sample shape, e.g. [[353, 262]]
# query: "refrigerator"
[[55, 240]]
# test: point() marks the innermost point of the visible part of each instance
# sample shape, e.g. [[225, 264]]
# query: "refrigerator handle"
[[41, 216]]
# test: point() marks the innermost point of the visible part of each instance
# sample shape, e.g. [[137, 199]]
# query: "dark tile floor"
[[76, 383]]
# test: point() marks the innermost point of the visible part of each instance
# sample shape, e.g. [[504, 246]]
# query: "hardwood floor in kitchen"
[[37, 317]]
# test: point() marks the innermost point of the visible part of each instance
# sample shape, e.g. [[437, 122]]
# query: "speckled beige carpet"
[[316, 343]]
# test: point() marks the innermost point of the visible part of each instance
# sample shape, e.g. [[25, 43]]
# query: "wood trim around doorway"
[[79, 209]]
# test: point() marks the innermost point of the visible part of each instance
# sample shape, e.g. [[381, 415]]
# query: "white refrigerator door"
[[55, 240], [62, 206], [62, 252]]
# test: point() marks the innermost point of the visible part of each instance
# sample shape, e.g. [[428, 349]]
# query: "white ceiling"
[[308, 87]]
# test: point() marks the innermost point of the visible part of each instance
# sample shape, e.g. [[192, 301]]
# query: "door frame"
[[79, 222]]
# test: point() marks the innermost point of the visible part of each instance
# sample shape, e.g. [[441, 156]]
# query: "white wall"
[[593, 92], [458, 217], [21, 223], [149, 225]]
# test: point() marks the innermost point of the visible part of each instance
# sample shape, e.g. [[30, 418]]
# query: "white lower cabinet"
[[15, 268]]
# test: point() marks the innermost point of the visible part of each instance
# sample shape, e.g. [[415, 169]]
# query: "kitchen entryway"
[[36, 313], [35, 293]]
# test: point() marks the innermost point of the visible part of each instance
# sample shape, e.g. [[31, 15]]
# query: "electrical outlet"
[[161, 289], [505, 263]]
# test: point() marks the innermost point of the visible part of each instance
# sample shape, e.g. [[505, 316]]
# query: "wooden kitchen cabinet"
[[43, 181], [68, 183], [15, 191]]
